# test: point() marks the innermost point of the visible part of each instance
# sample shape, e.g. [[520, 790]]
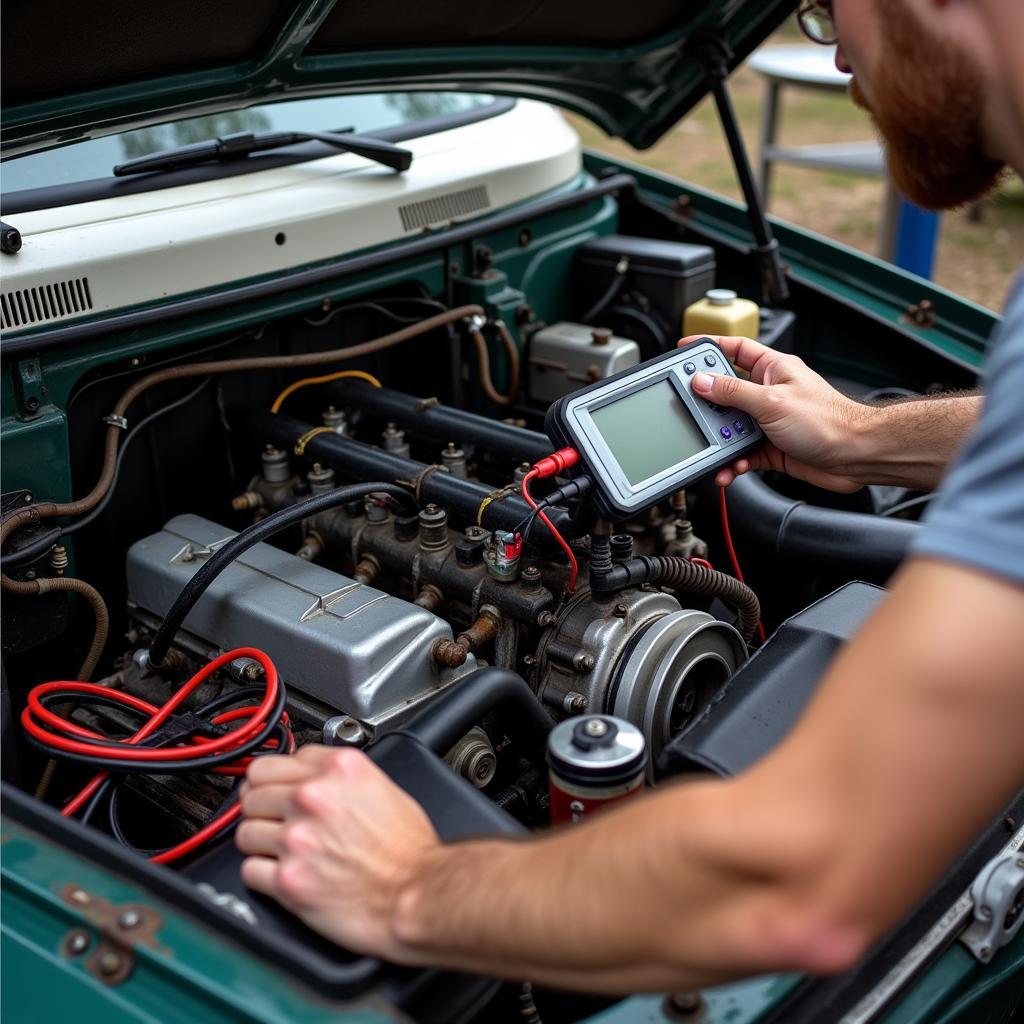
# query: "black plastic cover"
[[671, 275], [763, 700]]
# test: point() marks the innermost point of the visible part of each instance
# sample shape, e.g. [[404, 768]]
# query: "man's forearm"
[[910, 443], [639, 900]]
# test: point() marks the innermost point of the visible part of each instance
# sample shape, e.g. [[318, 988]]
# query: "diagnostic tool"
[[643, 434]]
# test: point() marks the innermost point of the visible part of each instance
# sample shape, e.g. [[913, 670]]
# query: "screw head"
[[596, 727], [129, 919], [109, 963], [80, 896], [77, 943]]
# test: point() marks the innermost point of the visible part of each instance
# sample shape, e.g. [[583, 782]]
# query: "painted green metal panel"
[[637, 91], [961, 331], [191, 976]]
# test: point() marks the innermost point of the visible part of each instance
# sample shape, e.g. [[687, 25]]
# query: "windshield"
[[86, 161]]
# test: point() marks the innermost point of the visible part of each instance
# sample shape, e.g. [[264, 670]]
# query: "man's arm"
[[910, 745], [820, 435]]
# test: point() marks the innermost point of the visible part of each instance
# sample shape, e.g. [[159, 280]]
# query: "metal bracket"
[[113, 420], [120, 928], [998, 894], [29, 388]]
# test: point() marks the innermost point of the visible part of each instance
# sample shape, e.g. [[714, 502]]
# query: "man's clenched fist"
[[334, 840]]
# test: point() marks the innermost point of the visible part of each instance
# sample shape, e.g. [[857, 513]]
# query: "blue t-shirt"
[[978, 517]]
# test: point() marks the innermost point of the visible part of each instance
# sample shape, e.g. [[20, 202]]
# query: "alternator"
[[640, 656]]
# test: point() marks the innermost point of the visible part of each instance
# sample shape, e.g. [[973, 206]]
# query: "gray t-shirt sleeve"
[[978, 517]]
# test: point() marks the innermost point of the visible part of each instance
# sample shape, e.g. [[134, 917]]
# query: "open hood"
[[74, 69]]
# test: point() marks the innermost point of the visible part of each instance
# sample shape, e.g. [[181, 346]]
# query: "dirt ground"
[[978, 251]]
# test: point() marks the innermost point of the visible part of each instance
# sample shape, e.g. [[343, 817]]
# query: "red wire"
[[54, 731], [737, 571], [573, 565]]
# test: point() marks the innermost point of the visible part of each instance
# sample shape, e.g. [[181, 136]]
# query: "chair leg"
[[769, 129]]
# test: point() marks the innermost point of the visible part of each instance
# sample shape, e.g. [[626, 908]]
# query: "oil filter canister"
[[593, 760]]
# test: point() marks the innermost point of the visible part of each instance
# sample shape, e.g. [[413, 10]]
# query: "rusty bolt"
[[110, 963], [575, 703], [620, 611], [583, 662], [77, 942], [546, 619]]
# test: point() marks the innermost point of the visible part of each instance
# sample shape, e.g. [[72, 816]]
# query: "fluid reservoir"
[[722, 312], [593, 761]]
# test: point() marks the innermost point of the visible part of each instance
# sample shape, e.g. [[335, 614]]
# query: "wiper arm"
[[241, 144]]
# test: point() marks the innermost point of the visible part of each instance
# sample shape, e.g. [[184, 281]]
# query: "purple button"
[[739, 427], [726, 433]]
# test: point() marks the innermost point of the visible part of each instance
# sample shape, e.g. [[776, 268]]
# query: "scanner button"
[[710, 359], [689, 368], [739, 426], [726, 433]]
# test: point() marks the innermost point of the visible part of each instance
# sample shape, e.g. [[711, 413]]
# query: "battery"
[[593, 761]]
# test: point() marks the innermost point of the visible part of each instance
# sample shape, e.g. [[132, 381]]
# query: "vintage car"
[[288, 289]]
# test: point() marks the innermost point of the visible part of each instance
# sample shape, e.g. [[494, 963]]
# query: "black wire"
[[129, 437], [249, 537], [175, 767], [39, 547], [610, 295]]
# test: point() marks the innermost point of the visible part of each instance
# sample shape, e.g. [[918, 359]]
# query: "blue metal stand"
[[916, 233]]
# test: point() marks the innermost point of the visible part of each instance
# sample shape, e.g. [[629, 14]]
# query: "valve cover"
[[357, 649]]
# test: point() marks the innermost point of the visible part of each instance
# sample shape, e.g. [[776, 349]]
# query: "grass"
[[975, 259]]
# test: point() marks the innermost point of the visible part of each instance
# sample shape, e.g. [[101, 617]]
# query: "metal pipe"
[[360, 461], [442, 423]]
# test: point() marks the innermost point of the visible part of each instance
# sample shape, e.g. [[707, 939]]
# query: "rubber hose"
[[835, 541], [682, 574], [448, 717], [47, 584], [248, 538], [511, 352], [186, 370]]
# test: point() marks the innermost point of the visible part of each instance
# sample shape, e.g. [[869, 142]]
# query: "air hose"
[[677, 573]]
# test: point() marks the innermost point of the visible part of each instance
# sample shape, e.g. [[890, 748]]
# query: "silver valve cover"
[[354, 648]]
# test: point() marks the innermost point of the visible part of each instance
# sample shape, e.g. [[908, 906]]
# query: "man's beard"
[[927, 105]]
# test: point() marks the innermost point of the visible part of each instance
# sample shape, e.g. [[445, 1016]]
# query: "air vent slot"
[[444, 208], [45, 302]]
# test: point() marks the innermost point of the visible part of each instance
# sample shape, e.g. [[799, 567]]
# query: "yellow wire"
[[326, 379]]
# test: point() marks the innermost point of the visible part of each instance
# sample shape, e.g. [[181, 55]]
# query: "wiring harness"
[[219, 738]]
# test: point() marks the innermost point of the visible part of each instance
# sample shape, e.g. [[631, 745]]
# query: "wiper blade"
[[241, 144]]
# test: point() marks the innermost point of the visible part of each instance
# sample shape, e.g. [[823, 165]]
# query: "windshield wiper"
[[241, 144]]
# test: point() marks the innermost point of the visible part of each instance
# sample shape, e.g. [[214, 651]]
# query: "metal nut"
[[129, 919]]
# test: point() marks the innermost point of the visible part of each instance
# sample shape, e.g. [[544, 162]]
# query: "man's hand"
[[809, 425], [818, 434], [334, 840]]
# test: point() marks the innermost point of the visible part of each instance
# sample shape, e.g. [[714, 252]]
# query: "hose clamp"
[[114, 420]]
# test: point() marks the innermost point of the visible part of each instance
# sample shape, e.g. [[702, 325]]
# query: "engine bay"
[[325, 528]]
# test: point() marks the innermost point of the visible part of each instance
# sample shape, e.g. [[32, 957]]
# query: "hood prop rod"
[[715, 55]]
